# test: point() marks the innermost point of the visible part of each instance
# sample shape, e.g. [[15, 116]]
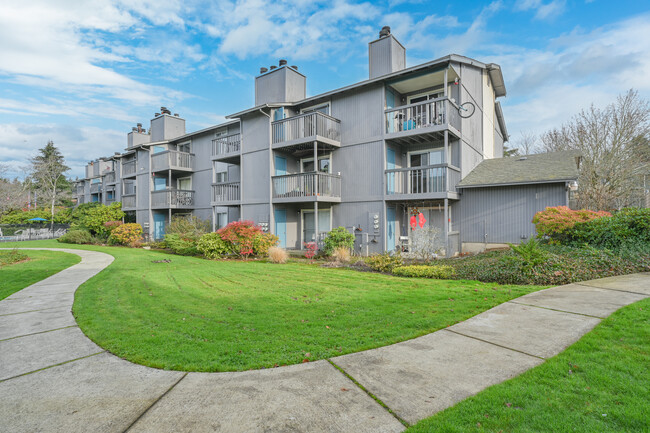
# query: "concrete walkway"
[[54, 379]]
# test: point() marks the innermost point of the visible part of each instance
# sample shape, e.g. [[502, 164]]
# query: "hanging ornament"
[[414, 211], [421, 219], [414, 222]]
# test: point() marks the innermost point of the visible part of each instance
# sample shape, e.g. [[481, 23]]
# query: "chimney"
[[263, 71], [295, 67], [164, 110], [279, 84], [139, 125], [273, 67], [282, 62], [386, 54]]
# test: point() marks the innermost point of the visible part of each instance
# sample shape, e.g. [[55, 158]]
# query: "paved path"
[[54, 379]]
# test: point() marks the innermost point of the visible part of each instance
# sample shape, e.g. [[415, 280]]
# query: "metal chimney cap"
[[385, 31], [295, 67], [282, 62], [273, 67], [263, 70], [138, 124]]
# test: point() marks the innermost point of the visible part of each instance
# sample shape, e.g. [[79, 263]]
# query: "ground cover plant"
[[186, 313], [24, 268], [599, 384]]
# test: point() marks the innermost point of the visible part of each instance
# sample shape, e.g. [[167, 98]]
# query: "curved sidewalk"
[[54, 379]]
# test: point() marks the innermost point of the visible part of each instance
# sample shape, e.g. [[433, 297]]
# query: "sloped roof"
[[517, 170]]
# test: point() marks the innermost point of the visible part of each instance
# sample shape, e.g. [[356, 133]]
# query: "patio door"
[[391, 228], [309, 224], [281, 226], [158, 225]]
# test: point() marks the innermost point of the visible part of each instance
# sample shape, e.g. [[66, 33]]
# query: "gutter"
[[494, 71], [501, 121], [535, 182]]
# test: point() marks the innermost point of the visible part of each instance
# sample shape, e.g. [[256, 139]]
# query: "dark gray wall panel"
[[361, 114], [361, 169]]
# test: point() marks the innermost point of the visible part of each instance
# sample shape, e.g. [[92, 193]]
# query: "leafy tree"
[[13, 194], [614, 145], [94, 216], [47, 175]]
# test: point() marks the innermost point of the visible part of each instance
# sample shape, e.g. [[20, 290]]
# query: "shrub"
[[188, 225], [241, 236], [278, 255], [212, 246], [10, 257], [110, 225], [529, 254], [337, 238], [627, 226], [426, 243], [93, 218], [384, 262], [311, 249], [341, 254], [76, 237], [442, 272], [262, 242], [126, 234], [184, 246], [553, 222]]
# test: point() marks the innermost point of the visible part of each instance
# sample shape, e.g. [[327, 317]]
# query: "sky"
[[83, 72]]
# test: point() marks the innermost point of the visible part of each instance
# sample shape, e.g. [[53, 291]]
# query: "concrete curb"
[[53, 378]]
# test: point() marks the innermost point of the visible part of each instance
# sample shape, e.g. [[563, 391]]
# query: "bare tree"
[[527, 143], [48, 175], [13, 194], [614, 145]]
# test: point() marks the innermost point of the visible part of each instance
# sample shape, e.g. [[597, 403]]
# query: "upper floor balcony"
[[422, 121], [305, 129], [226, 193], [227, 147], [307, 187], [426, 182], [172, 199], [95, 188], [109, 177], [129, 168], [172, 160], [128, 201]]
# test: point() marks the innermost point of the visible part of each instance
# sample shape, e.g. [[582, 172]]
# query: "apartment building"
[[383, 158]]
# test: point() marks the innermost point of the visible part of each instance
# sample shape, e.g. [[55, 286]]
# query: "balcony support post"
[[447, 159], [446, 228], [316, 222]]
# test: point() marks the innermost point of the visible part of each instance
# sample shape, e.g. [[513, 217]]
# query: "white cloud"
[[542, 10]]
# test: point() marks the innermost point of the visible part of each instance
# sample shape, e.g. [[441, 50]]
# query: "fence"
[[30, 232]]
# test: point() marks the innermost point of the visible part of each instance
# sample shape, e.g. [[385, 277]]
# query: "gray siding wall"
[[361, 114], [255, 177], [356, 214], [361, 169], [255, 212], [505, 213]]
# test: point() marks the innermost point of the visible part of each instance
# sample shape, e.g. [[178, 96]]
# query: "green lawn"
[[41, 264], [199, 315], [600, 384]]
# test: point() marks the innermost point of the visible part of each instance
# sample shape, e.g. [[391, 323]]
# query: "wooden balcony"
[[225, 193], [128, 202], [172, 160], [423, 121], [129, 168], [298, 131], [172, 199], [227, 147], [417, 183], [95, 188], [307, 187], [109, 177]]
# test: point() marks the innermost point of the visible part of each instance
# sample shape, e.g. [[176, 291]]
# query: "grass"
[[37, 266], [599, 384], [197, 315]]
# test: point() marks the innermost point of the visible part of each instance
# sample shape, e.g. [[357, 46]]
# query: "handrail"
[[310, 184], [327, 116], [415, 104], [304, 126]]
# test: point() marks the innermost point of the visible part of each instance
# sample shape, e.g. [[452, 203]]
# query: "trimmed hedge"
[[625, 227], [384, 262], [442, 272], [76, 237]]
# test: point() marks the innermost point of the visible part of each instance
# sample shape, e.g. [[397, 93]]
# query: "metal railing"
[[226, 191], [128, 201], [306, 125], [129, 168], [425, 114], [95, 188], [109, 177], [421, 180], [172, 159], [174, 198], [228, 144], [307, 185]]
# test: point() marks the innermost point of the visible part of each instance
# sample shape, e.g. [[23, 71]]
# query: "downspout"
[[271, 216]]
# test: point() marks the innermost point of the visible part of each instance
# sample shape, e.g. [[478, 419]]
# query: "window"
[[221, 177], [184, 147], [322, 108], [185, 183], [221, 220], [324, 164]]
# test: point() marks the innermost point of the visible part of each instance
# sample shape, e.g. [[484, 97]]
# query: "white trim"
[[428, 93], [178, 181], [311, 158], [183, 143]]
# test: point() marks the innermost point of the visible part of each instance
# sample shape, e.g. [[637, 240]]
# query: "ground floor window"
[[221, 220]]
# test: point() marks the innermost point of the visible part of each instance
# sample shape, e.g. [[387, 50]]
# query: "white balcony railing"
[[225, 192], [226, 145], [421, 180], [172, 198], [172, 160], [109, 177], [307, 185], [306, 126], [421, 115]]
